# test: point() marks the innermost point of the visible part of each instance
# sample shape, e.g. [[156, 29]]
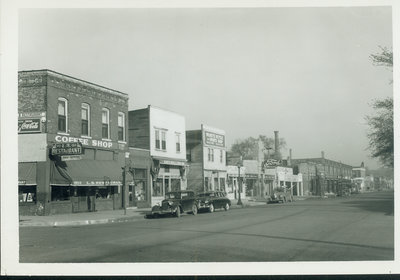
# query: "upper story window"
[[85, 116], [210, 154], [161, 139], [62, 115], [121, 126], [105, 120], [178, 142]]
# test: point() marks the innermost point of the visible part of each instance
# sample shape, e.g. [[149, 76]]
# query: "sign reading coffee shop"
[[214, 139], [84, 141]]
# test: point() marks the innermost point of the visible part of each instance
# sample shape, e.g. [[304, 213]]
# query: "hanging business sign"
[[214, 139], [71, 157], [67, 149]]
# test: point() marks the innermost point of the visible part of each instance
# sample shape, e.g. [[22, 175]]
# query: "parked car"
[[176, 203], [212, 200], [280, 195]]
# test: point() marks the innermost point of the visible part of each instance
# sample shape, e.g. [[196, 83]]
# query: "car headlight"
[[206, 201], [170, 203]]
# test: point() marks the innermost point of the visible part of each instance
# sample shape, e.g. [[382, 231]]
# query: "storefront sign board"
[[214, 139], [67, 149], [29, 126]]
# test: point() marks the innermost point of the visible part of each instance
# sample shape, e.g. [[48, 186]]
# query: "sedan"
[[212, 200]]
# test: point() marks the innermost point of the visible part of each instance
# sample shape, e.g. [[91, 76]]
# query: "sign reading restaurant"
[[214, 139], [67, 149], [84, 141]]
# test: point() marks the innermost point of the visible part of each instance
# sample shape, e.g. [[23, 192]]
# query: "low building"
[[358, 178], [71, 144], [236, 182], [322, 176], [206, 154], [161, 134], [284, 177]]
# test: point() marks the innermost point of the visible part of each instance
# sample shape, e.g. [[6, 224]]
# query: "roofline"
[[308, 159], [70, 77]]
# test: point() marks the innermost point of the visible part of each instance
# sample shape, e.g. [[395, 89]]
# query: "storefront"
[[235, 183], [27, 188], [168, 175], [84, 186]]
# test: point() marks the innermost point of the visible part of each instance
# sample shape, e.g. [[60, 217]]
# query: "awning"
[[27, 173], [86, 173]]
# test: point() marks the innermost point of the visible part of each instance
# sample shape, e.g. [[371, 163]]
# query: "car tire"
[[178, 212], [211, 208], [194, 209], [226, 207]]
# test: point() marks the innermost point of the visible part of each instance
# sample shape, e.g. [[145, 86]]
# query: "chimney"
[[277, 152], [322, 154]]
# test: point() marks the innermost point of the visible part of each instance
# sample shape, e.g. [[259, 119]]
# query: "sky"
[[305, 72]]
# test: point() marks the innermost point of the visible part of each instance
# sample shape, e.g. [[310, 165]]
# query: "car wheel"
[[178, 212], [211, 208], [194, 209], [226, 207]]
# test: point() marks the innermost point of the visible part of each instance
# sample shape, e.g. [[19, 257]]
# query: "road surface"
[[360, 227]]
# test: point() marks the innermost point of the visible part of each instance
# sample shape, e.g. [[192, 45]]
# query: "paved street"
[[360, 227]]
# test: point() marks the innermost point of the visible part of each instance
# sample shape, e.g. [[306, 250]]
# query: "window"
[[60, 193], [221, 156], [163, 140], [85, 116], [27, 193], [157, 139], [62, 115], [121, 126], [178, 142], [210, 154], [105, 119]]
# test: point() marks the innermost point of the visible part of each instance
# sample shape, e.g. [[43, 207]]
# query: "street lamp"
[[239, 182]]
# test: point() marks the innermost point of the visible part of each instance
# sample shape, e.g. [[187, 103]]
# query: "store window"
[[121, 126], [27, 194], [85, 116], [105, 120], [175, 184], [158, 187], [222, 184], [178, 142], [60, 193], [62, 115]]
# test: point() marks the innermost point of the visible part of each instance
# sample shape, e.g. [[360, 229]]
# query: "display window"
[[61, 193], [27, 194]]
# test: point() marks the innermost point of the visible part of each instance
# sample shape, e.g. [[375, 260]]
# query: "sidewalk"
[[102, 217]]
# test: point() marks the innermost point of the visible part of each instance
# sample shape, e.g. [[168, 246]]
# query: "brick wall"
[[139, 129]]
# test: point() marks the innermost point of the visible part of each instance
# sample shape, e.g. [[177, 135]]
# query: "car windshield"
[[172, 195], [206, 194]]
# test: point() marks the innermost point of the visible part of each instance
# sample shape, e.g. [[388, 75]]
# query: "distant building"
[[358, 178], [206, 154], [283, 176], [71, 144], [323, 176], [234, 181], [160, 134]]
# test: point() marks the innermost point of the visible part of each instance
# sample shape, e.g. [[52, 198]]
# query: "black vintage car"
[[280, 195], [176, 203], [212, 200]]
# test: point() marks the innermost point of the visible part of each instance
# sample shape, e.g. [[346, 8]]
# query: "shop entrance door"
[[132, 196]]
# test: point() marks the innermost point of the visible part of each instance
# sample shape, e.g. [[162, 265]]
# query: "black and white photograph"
[[184, 138]]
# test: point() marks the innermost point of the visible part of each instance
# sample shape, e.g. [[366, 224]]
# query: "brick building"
[[72, 144], [323, 176]]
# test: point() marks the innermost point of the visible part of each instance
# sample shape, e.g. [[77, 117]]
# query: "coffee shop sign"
[[84, 141]]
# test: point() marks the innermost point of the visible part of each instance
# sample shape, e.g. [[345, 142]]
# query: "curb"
[[81, 222]]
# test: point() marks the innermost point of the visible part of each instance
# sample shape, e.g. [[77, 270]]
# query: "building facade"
[[206, 154], [322, 176], [283, 177], [72, 144], [236, 182], [162, 134]]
